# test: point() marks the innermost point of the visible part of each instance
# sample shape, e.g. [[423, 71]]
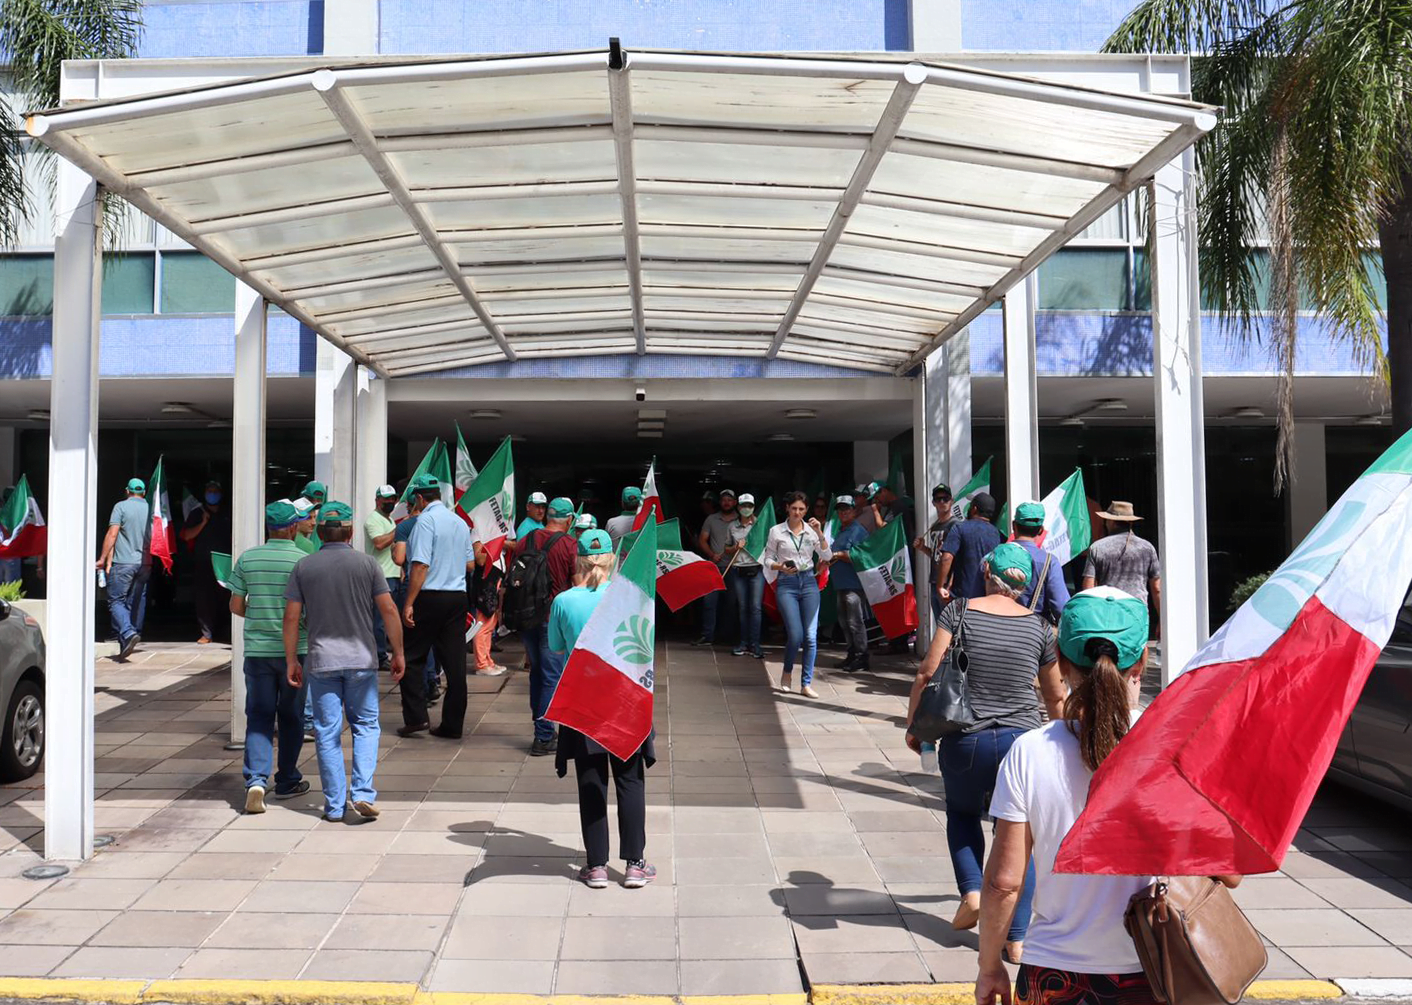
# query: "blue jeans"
[[797, 597], [969, 764], [749, 592], [545, 670], [127, 598], [269, 700], [336, 694], [710, 605]]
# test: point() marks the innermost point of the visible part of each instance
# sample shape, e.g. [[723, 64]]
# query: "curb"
[[298, 992]]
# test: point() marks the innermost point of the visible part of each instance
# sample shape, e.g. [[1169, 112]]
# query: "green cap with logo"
[[595, 542], [281, 514], [1031, 514], [424, 481], [335, 514], [1012, 564], [632, 495], [1103, 613], [136, 485], [561, 508], [315, 490]]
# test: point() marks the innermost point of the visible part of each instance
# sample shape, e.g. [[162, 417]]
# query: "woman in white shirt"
[[795, 549], [744, 578], [1077, 949]]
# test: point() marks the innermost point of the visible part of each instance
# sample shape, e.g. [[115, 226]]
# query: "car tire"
[[22, 744]]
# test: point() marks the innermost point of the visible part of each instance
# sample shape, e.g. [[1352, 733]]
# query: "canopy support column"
[[247, 469], [1181, 482], [620, 100], [928, 469], [372, 445], [72, 507], [1021, 397], [333, 420], [956, 407]]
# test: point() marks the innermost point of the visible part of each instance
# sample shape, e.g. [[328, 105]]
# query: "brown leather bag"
[[1196, 946]]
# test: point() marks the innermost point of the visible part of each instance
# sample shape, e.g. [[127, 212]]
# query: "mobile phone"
[[790, 564]]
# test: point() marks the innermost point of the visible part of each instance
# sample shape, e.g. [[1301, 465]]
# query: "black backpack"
[[529, 590]]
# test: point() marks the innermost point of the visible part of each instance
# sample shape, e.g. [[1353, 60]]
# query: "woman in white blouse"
[[795, 549]]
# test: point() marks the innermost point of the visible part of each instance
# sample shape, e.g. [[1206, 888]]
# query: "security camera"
[[640, 393]]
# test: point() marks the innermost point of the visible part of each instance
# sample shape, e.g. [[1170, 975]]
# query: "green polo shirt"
[[260, 576]]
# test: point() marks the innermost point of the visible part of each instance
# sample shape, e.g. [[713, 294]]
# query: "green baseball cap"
[[335, 513], [281, 514], [632, 494], [595, 542], [1103, 613], [561, 507], [1012, 563], [942, 491], [315, 490], [136, 485], [1030, 514], [424, 481]]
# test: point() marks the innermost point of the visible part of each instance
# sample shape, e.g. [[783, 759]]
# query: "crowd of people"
[[1052, 679]]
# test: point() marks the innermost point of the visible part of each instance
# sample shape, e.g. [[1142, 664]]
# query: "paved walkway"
[[795, 839]]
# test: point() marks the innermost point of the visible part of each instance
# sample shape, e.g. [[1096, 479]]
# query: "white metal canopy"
[[427, 215]]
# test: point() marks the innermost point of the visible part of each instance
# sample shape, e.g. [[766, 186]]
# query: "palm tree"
[[1316, 144], [36, 36]]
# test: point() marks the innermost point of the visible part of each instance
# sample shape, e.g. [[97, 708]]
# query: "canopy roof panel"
[[428, 215]]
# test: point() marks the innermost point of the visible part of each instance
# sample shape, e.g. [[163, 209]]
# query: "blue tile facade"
[[204, 28], [1040, 25]]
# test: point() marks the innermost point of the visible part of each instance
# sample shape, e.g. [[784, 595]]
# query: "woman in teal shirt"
[[567, 617]]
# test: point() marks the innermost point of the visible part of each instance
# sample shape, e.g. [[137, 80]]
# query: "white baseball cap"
[[303, 506], [539, 499], [745, 499], [386, 492]]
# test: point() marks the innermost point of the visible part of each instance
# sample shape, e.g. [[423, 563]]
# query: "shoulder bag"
[[945, 705], [1196, 946], [1039, 584]]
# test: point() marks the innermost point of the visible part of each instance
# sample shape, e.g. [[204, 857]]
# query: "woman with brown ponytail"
[[1077, 949]]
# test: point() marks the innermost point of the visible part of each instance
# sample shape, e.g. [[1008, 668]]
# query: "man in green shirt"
[[257, 584], [381, 532]]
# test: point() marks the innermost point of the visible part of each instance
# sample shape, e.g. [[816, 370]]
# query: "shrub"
[[1245, 588]]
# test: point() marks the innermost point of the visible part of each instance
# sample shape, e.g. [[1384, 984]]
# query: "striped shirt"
[[260, 576], [1005, 654]]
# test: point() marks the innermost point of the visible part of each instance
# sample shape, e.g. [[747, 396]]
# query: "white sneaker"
[[786, 683], [255, 799], [808, 692]]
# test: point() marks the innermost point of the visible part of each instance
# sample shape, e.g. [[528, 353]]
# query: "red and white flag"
[[651, 502], [22, 530], [1217, 774], [159, 507], [463, 474], [682, 576], [489, 502], [606, 690], [885, 571]]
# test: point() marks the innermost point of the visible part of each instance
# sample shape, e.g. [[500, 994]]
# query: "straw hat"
[[1120, 512]]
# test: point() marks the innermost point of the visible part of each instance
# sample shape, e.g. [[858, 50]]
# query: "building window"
[[128, 279], [26, 285], [1078, 279], [193, 284]]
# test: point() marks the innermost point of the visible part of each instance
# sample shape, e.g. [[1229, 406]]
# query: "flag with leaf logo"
[[159, 506], [882, 564], [465, 471], [682, 576], [606, 690], [980, 482], [489, 502], [1218, 773], [22, 530], [435, 462], [651, 502], [1067, 529]]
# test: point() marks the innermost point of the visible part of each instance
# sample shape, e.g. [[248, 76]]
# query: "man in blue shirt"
[[852, 605], [127, 561], [967, 545], [535, 507], [439, 555], [1028, 525]]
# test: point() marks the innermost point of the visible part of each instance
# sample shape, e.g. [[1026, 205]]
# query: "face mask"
[[387, 505], [747, 511], [213, 498]]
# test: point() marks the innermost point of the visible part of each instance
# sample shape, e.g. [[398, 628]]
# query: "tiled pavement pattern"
[[795, 841]]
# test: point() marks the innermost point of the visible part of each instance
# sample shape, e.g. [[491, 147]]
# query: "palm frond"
[[1187, 26], [38, 35]]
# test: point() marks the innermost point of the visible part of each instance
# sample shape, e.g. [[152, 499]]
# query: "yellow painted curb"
[[1293, 990], [221, 992], [912, 994], [67, 989], [796, 998], [496, 998]]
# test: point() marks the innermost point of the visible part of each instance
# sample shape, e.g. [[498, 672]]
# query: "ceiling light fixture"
[[1072, 422], [779, 437], [39, 414], [651, 424], [649, 434], [485, 413], [1110, 405], [177, 408], [1247, 412], [651, 413], [800, 413], [1368, 420]]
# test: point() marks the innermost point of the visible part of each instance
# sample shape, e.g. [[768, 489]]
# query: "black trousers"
[[630, 779], [440, 617], [211, 600]]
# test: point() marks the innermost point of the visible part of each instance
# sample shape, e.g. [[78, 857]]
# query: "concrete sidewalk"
[[797, 845]]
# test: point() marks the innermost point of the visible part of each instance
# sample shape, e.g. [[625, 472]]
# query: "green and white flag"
[[489, 502], [606, 690], [1067, 528], [980, 482], [435, 462]]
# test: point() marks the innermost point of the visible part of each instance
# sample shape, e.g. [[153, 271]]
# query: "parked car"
[[21, 694], [1374, 754]]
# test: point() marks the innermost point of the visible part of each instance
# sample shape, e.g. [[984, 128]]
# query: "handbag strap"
[[958, 640], [1039, 583]]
